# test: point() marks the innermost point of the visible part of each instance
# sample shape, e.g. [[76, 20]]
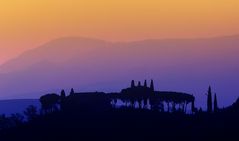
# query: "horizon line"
[[119, 41]]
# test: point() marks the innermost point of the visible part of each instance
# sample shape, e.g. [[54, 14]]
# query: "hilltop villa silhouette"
[[142, 96], [138, 112], [136, 97]]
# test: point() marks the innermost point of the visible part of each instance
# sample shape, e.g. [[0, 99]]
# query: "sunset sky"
[[26, 24]]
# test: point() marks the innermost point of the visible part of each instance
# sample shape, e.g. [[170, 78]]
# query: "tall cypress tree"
[[62, 99], [215, 103], [152, 85], [72, 91], [209, 100], [145, 83], [139, 84], [63, 94], [132, 84]]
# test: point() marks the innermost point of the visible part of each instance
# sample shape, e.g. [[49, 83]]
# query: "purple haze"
[[185, 65]]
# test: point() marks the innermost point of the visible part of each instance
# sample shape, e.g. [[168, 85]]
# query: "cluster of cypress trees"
[[209, 101]]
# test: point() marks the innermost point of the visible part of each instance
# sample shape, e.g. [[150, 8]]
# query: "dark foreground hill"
[[126, 124]]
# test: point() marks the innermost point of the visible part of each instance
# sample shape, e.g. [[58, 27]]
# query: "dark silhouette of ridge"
[[160, 115]]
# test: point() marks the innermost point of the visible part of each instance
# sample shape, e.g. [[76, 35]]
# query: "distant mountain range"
[[9, 107], [187, 65]]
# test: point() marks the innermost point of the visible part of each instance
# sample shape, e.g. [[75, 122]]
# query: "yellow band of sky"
[[27, 23]]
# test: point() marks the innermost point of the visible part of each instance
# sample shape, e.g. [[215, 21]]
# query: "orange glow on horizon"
[[26, 23]]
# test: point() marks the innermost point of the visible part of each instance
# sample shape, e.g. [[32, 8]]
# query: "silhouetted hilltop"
[[236, 104], [138, 112], [92, 101], [233, 108]]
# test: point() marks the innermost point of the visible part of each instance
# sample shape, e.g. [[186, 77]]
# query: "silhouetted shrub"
[[31, 112]]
